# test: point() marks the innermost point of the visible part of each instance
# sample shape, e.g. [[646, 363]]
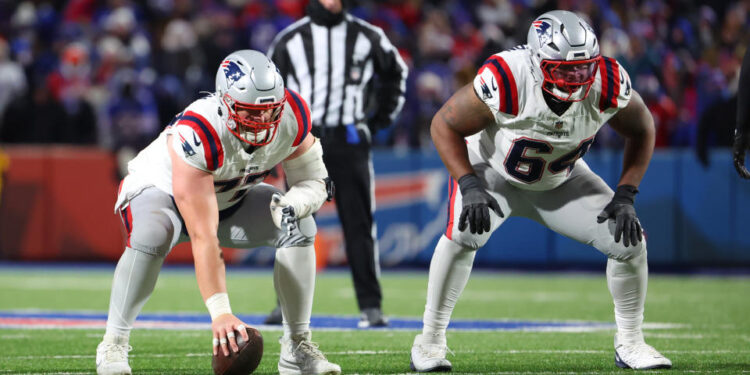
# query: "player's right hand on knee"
[[475, 205], [224, 327], [628, 227], [283, 214]]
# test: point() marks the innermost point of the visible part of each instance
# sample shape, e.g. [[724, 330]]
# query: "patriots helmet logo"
[[186, 148], [543, 31], [232, 71]]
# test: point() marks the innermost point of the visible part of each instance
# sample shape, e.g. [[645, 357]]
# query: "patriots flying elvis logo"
[[186, 147], [543, 31], [486, 93], [232, 71]]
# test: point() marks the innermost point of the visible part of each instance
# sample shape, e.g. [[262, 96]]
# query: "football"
[[245, 361]]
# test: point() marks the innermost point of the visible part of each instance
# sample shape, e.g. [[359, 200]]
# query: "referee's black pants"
[[349, 166]]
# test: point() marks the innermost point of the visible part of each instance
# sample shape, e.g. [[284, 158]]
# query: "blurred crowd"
[[114, 72]]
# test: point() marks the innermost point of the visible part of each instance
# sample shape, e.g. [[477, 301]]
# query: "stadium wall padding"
[[57, 202]]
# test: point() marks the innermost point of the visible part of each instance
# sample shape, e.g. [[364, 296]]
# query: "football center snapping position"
[[513, 143], [201, 180]]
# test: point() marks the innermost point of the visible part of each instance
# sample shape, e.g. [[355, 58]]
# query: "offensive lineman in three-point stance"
[[202, 178]]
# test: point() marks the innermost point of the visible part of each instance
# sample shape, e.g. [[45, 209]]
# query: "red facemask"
[[569, 77], [255, 124]]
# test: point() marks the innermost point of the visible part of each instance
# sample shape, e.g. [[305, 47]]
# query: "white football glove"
[[283, 214]]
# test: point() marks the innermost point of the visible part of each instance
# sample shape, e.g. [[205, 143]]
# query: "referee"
[[354, 80]]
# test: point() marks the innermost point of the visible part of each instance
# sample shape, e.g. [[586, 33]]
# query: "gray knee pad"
[[303, 235], [155, 235], [470, 241], [605, 242]]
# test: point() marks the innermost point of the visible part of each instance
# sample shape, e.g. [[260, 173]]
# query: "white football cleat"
[[112, 356], [427, 357], [639, 356], [300, 356]]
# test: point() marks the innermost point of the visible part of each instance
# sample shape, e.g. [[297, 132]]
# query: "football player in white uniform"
[[201, 180], [512, 142]]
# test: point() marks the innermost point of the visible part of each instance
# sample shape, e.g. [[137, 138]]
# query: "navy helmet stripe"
[[209, 138]]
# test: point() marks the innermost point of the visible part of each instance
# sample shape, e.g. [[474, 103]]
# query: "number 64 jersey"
[[531, 146]]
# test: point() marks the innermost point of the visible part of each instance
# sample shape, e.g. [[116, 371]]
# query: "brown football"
[[243, 362]]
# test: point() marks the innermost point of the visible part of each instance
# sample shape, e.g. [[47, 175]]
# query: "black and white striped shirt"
[[332, 68]]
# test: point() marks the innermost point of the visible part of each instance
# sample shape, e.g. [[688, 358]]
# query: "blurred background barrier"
[[56, 205]]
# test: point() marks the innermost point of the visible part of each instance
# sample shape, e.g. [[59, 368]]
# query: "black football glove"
[[476, 203], [741, 143], [621, 209]]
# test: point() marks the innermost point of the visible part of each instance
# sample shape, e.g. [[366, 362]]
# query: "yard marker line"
[[16, 336], [381, 352], [697, 336]]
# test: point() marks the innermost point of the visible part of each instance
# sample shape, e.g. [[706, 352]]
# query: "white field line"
[[386, 352], [61, 283], [187, 326], [682, 336]]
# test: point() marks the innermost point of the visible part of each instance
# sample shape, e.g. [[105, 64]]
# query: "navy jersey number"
[[530, 169], [525, 168], [568, 161]]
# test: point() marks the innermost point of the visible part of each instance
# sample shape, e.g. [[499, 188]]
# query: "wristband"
[[218, 304]]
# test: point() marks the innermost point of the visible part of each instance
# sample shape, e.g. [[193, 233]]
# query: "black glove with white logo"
[[741, 144], [621, 209], [476, 204]]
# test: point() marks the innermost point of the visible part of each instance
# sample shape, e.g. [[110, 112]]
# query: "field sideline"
[[510, 323]]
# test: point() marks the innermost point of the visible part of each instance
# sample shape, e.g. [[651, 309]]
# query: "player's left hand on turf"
[[283, 214], [475, 205], [741, 144], [224, 327], [627, 228]]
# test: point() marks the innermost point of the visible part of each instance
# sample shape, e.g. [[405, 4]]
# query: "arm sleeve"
[[392, 73], [743, 96]]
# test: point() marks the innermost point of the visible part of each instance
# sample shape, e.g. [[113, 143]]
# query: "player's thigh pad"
[[497, 187], [155, 222], [571, 210], [251, 224]]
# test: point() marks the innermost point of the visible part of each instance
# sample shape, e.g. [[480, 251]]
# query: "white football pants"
[[571, 210], [154, 227]]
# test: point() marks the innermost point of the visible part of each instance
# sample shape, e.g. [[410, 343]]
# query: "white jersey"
[[201, 139], [531, 146]]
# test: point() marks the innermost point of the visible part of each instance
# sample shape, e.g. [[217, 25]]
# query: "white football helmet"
[[568, 52], [251, 87]]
